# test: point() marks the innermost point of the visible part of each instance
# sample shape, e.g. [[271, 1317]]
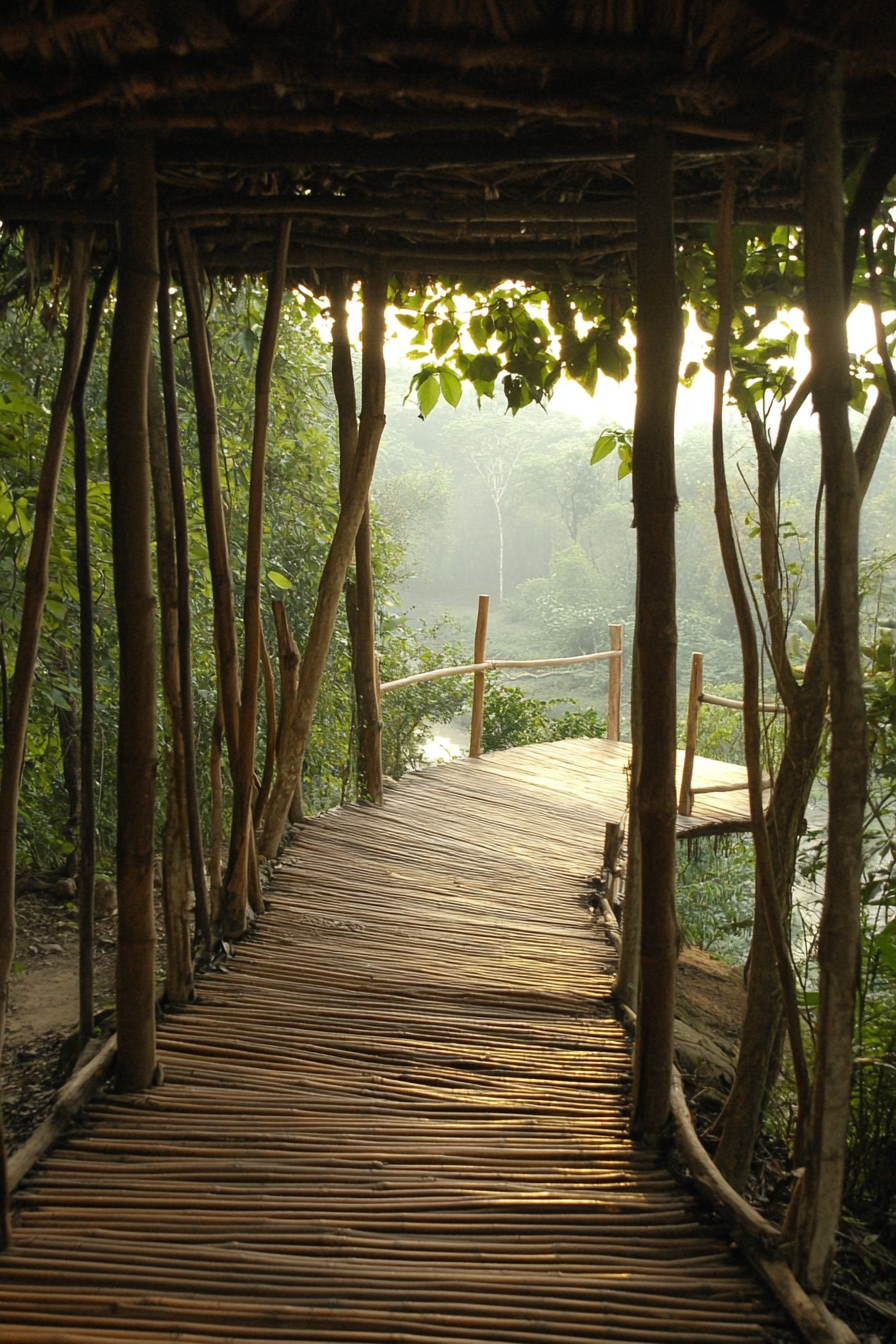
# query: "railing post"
[[479, 677], [685, 797], [614, 685]]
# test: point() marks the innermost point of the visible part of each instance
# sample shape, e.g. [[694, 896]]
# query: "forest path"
[[401, 1113]]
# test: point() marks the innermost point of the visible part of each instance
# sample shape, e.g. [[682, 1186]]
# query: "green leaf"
[[483, 368], [450, 385], [604, 447], [247, 341], [480, 330], [280, 580], [428, 393], [444, 334], [885, 945]]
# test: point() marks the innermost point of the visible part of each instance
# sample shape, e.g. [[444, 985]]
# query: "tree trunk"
[[359, 596], [818, 1195], [184, 615], [242, 849], [87, 675], [69, 745], [294, 734], [129, 488], [36, 584], [359, 605], [628, 976], [270, 754], [733, 1157], [176, 843], [212, 503], [216, 845], [659, 336]]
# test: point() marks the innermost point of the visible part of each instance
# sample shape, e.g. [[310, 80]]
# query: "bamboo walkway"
[[400, 1115]]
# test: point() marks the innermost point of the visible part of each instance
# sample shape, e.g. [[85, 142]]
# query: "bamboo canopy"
[[446, 136]]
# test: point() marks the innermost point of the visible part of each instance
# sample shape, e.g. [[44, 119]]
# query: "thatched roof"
[[463, 136]]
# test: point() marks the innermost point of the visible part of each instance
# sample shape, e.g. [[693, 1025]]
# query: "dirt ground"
[[42, 1018]]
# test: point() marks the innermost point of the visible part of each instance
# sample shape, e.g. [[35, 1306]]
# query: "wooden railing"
[[481, 665], [696, 698]]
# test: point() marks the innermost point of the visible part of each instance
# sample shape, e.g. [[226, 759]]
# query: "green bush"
[[513, 719]]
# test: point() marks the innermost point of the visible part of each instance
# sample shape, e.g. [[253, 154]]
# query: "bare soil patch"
[[41, 1037]]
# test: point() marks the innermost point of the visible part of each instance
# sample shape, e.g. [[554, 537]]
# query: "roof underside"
[[474, 137]]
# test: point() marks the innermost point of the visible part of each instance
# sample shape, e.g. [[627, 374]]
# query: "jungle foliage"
[[302, 505]]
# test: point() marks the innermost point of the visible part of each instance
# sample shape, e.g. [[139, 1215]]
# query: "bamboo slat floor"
[[400, 1115]]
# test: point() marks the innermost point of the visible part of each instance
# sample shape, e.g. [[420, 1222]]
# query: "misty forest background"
[[568, 544]]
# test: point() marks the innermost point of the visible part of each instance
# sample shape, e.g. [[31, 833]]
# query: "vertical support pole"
[[685, 797], [613, 834], [614, 685], [653, 484], [479, 677], [129, 488]]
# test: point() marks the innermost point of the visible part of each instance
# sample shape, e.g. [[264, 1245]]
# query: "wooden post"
[[653, 486], [685, 797], [614, 685], [479, 677], [613, 837], [129, 489]]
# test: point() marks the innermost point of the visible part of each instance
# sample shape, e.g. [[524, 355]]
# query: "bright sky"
[[615, 402]]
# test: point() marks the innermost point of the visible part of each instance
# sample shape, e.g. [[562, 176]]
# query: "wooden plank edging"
[[70, 1099]]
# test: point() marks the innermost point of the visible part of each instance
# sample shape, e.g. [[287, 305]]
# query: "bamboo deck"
[[400, 1115]]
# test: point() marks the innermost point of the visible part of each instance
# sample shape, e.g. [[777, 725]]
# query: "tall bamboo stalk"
[[653, 480], [129, 486], [184, 615], [242, 850], [87, 837], [37, 577]]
